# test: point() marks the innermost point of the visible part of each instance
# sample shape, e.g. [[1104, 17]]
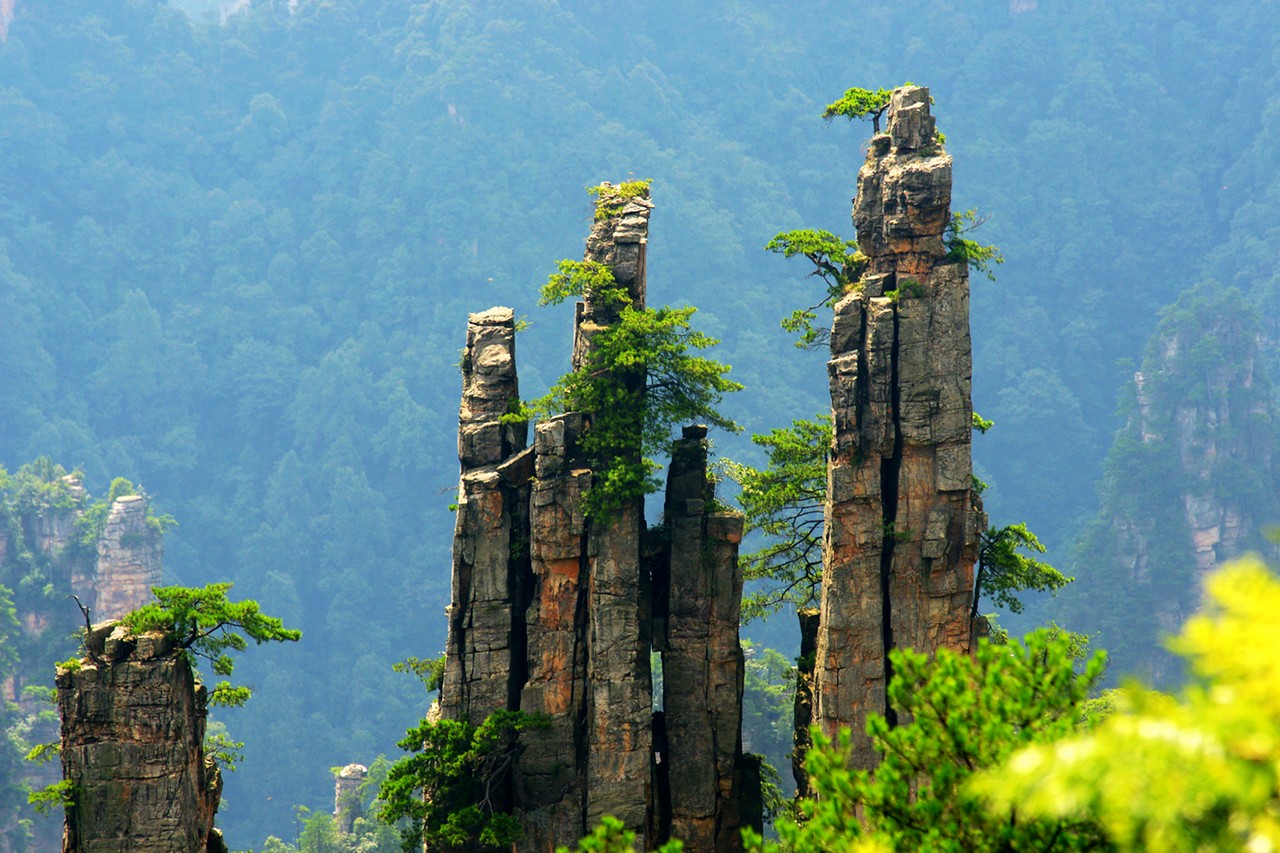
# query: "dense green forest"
[[238, 244]]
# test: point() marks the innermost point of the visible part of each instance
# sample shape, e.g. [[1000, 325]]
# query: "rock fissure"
[[890, 468], [901, 519]]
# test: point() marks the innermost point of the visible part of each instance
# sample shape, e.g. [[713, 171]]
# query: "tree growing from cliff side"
[[639, 380], [784, 501], [860, 103], [451, 790], [206, 624]]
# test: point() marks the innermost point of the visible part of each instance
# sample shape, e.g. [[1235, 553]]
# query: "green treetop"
[[640, 379], [965, 713], [208, 625], [860, 103], [784, 501]]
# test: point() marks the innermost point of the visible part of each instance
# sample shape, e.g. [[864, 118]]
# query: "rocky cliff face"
[[133, 721], [902, 520], [43, 560], [1191, 479], [558, 615]]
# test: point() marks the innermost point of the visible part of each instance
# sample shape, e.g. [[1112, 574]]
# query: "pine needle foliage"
[[784, 502], [641, 379], [206, 624], [450, 789], [1197, 772], [964, 713]]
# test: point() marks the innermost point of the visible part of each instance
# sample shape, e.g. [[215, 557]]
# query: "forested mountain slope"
[[238, 252]]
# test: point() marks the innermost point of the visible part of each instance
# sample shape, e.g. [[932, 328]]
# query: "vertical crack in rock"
[[620, 692], [902, 521], [890, 468]]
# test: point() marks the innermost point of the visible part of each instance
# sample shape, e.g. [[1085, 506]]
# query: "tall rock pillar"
[[551, 773], [133, 720], [702, 661], [130, 554], [619, 684], [902, 519], [490, 545]]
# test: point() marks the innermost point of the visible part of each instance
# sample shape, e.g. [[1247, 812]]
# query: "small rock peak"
[[910, 124], [498, 315]]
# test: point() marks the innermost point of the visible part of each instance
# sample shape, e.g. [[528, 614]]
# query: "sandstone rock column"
[[133, 721], [551, 773], [490, 546], [130, 554], [902, 520], [619, 686], [702, 659], [346, 796]]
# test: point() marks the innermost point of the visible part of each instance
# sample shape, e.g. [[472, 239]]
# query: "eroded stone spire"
[[902, 519]]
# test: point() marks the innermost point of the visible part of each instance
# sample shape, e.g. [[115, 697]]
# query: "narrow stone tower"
[[902, 518]]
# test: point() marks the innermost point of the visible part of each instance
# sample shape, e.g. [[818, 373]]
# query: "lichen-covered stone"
[[133, 749]]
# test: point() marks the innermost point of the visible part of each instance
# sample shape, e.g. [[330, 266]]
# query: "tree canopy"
[[208, 625]]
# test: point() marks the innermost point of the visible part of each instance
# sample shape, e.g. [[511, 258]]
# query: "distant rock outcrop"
[[130, 554], [555, 614], [49, 550], [902, 518], [1191, 479], [133, 723]]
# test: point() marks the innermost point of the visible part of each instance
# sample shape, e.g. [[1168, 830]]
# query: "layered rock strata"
[[133, 722], [557, 614], [902, 519]]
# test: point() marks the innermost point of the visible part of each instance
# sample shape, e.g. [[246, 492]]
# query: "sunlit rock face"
[[902, 519], [130, 557]]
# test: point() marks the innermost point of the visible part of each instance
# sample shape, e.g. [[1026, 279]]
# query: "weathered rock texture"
[[490, 552], [1192, 479], [702, 662], [902, 520], [133, 721], [130, 554], [558, 615]]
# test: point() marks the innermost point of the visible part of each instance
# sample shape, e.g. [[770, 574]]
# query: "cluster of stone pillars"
[[555, 614]]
